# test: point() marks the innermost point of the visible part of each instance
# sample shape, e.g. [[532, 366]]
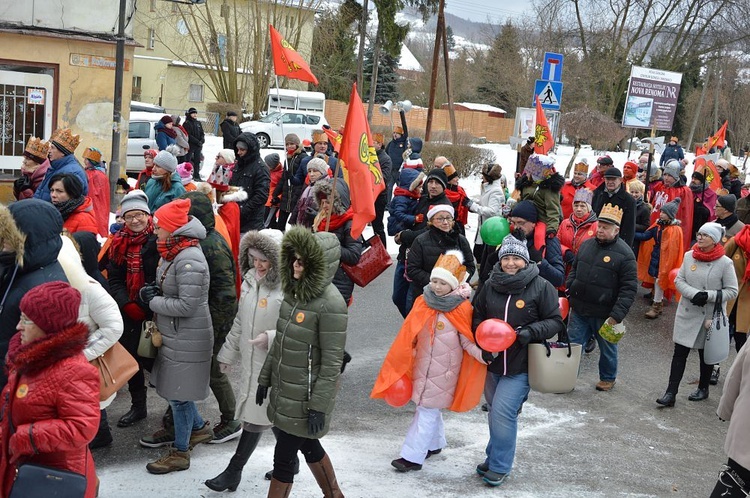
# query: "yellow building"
[[57, 69], [182, 47]]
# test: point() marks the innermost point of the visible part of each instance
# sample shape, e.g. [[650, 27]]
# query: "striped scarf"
[[126, 249], [172, 245]]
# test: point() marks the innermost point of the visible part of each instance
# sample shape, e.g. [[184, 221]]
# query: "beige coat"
[[737, 256], [734, 406]]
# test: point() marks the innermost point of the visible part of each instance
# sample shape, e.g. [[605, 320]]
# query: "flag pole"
[[336, 174]]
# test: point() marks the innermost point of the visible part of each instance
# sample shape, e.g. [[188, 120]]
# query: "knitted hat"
[[185, 170], [135, 200], [672, 168], [166, 161], [292, 138], [398, 129], [166, 119], [36, 150], [670, 208], [317, 164], [511, 246], [713, 230], [172, 215], [64, 140], [728, 202], [273, 160], [450, 268], [526, 211], [150, 152], [450, 172], [228, 155], [439, 175], [605, 161], [581, 166], [612, 173], [631, 168], [723, 164], [53, 307], [583, 195], [539, 167], [93, 154], [438, 208]]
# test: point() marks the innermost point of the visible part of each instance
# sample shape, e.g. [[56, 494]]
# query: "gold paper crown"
[[581, 167], [36, 149], [65, 138], [319, 136], [611, 213], [93, 153], [450, 263]]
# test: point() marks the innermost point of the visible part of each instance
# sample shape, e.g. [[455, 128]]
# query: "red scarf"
[[126, 249], [742, 239], [171, 247], [405, 193], [337, 220], [712, 255]]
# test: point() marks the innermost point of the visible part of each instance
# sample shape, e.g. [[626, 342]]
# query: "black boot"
[[699, 394], [104, 435], [667, 399], [231, 477], [137, 409]]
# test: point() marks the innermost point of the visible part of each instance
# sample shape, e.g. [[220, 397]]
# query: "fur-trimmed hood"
[[320, 252], [33, 231], [45, 352], [253, 148], [324, 187], [10, 235], [235, 194], [269, 248]]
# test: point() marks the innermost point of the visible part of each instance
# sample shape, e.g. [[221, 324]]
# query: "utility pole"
[[446, 57], [434, 75], [361, 54], [114, 163]]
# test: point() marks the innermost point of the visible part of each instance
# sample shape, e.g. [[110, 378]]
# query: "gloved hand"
[[148, 292], [488, 357], [523, 336], [261, 394], [419, 218], [315, 422], [569, 256], [700, 298], [22, 183], [467, 202]]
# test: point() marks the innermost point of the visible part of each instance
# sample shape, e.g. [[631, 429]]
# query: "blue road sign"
[[552, 69], [550, 94]]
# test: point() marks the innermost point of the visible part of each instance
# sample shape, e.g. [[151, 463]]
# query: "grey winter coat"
[[183, 365], [304, 363], [696, 276], [260, 302]]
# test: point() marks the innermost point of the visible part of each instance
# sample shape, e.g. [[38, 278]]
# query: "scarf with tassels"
[[173, 245], [126, 249]]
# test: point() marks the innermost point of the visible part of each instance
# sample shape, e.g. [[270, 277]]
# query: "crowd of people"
[[248, 268]]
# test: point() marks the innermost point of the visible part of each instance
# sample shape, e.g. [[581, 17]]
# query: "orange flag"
[[706, 165], [358, 156], [334, 137], [287, 62], [718, 140], [543, 140]]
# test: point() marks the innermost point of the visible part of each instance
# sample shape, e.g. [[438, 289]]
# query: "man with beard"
[[579, 181], [602, 285]]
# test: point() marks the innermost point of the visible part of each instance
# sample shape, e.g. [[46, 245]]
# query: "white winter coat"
[[490, 204]]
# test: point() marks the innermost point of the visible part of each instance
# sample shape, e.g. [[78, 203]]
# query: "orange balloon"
[[495, 335], [399, 393], [673, 274], [564, 307]]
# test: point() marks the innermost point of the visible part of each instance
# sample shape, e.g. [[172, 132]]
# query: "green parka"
[[304, 363]]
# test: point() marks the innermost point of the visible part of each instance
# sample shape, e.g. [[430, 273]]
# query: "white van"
[[141, 136], [296, 100]]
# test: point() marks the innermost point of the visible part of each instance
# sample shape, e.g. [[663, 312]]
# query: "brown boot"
[[326, 477], [172, 461], [655, 310], [279, 489]]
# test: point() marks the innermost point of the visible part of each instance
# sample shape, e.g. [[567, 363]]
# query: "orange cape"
[[399, 360], [669, 259]]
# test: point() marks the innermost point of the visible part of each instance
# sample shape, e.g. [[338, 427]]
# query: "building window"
[[137, 88], [195, 94], [152, 5], [151, 38]]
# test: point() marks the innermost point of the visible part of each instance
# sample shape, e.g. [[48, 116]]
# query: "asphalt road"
[[583, 444]]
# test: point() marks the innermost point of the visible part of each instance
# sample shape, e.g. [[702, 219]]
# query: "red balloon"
[[399, 393], [564, 307], [495, 335], [673, 274]]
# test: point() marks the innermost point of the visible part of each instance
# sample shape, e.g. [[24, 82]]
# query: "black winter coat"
[[351, 250], [603, 279], [229, 131], [642, 222], [423, 206], [531, 303], [290, 194], [194, 129], [395, 150], [426, 250], [386, 167], [252, 175], [549, 259], [624, 201]]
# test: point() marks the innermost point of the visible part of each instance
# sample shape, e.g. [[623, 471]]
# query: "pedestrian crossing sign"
[[550, 94]]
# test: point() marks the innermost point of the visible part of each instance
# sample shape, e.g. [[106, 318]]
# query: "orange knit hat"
[[173, 215]]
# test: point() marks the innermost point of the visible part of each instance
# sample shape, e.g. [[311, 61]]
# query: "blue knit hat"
[[525, 210]]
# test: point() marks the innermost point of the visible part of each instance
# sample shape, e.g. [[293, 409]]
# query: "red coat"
[[663, 194], [99, 194], [276, 175], [568, 192], [82, 219], [53, 397]]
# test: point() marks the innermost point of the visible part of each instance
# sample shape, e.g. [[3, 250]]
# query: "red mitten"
[[134, 312], [419, 218]]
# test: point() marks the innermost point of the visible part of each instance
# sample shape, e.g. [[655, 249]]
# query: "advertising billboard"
[[652, 98]]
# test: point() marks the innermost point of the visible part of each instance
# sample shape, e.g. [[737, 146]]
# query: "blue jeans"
[[400, 289], [505, 394], [581, 328], [186, 420]]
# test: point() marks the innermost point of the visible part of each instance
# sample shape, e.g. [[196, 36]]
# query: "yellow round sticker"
[[737, 256], [607, 259], [300, 317], [263, 303], [22, 391], [440, 326], [693, 268], [591, 232], [520, 304]]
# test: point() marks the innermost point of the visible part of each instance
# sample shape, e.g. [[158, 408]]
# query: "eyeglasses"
[[700, 235], [134, 217], [441, 219], [25, 320]]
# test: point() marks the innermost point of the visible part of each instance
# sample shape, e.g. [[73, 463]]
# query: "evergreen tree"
[[334, 60], [503, 75], [450, 38], [387, 86]]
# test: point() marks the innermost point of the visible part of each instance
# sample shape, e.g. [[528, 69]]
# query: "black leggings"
[[679, 360], [726, 486], [285, 454]]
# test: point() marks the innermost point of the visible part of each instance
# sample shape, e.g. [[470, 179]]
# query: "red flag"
[[718, 140], [706, 165], [334, 137], [287, 62], [543, 140], [360, 159]]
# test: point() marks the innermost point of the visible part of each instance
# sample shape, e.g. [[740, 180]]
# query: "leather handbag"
[[146, 347], [716, 347], [38, 480], [553, 367], [373, 261], [116, 366]]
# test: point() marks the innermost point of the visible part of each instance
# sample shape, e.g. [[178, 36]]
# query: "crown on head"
[[36, 148], [65, 138], [611, 213], [451, 263]]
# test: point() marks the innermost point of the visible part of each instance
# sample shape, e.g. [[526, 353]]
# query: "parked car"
[[141, 136], [272, 128]]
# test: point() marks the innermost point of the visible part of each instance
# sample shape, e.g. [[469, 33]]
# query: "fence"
[[209, 120], [477, 124]]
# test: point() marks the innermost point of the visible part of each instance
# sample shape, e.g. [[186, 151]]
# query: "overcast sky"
[[480, 10]]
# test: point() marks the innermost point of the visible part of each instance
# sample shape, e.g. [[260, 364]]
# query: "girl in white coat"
[[252, 333], [490, 203]]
